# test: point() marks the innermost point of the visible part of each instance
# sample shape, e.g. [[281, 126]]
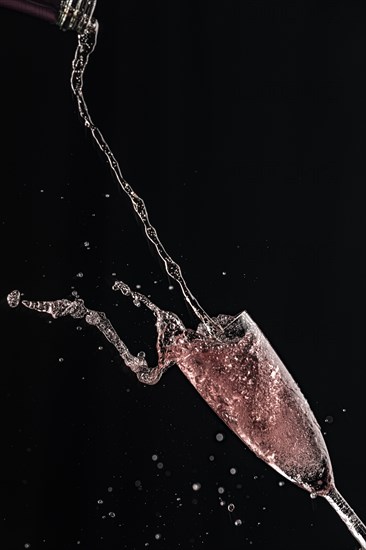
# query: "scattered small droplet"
[[329, 419], [196, 486], [160, 465], [221, 490], [100, 501], [281, 483], [110, 489], [154, 457], [344, 410], [13, 298], [233, 471], [231, 507], [80, 275], [107, 195], [211, 458], [170, 287], [27, 545], [219, 437], [238, 522], [86, 243], [224, 272], [100, 348], [313, 495], [141, 354], [112, 515], [60, 359], [158, 536]]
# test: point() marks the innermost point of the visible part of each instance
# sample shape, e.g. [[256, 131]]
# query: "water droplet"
[[344, 410], [219, 437], [238, 522], [231, 507], [100, 348], [110, 489], [313, 495], [100, 501], [136, 302], [329, 419], [211, 458], [80, 275], [170, 287], [233, 471], [141, 354], [112, 515], [160, 465], [60, 359], [158, 536], [107, 195], [154, 457], [221, 490], [86, 243], [196, 486], [281, 483], [13, 298], [224, 272], [27, 545]]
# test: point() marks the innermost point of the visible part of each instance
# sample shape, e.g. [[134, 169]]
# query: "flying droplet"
[[13, 298]]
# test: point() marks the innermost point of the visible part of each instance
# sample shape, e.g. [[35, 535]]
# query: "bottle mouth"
[[76, 14]]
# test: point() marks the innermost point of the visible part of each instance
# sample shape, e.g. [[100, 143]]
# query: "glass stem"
[[345, 512]]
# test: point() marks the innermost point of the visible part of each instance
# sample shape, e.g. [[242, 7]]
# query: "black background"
[[242, 125]]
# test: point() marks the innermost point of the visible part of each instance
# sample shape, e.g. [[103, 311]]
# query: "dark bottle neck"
[[67, 14]]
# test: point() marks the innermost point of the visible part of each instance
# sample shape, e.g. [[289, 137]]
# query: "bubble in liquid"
[[13, 298], [231, 507], [196, 486]]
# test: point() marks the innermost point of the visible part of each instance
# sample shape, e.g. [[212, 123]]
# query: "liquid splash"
[[227, 359]]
